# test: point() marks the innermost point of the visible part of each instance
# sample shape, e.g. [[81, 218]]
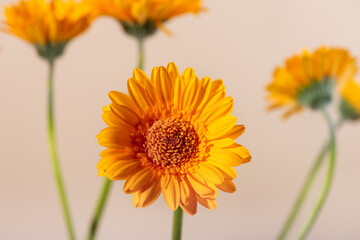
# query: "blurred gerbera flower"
[[172, 134], [141, 18], [49, 25], [308, 79], [350, 101]]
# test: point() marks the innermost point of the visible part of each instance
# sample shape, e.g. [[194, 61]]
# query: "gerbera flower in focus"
[[350, 101], [49, 26], [308, 79], [172, 134], [141, 18]]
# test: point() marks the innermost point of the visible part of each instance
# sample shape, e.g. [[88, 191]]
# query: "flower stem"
[[304, 191], [177, 224], [140, 41], [54, 154], [329, 178], [99, 209]]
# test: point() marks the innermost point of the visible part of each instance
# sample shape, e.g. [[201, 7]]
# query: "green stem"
[[304, 191], [329, 178], [306, 188], [54, 154], [140, 41], [99, 209], [177, 224]]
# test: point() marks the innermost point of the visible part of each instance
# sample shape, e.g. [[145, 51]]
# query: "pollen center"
[[171, 142]]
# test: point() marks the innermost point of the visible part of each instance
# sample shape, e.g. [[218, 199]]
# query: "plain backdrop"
[[238, 41]]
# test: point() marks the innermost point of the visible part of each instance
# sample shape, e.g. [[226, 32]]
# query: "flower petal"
[[172, 193], [115, 137], [220, 127], [209, 203], [227, 186], [138, 180], [210, 173], [149, 195]]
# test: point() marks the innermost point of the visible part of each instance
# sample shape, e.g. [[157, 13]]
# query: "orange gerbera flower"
[[172, 134], [49, 25], [141, 18], [308, 79]]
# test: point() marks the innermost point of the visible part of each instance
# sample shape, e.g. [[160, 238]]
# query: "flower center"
[[171, 142]]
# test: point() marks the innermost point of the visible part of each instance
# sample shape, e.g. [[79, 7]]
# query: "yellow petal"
[[140, 75], [210, 173], [138, 95], [223, 110], [188, 73], [173, 71], [220, 127], [222, 142], [229, 173]]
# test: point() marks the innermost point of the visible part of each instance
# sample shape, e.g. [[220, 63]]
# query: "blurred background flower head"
[[49, 25], [142, 18], [308, 79]]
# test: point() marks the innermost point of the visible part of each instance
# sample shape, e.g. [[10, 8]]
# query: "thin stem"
[[99, 209], [140, 41], [329, 178], [177, 224], [54, 154], [306, 188], [304, 191]]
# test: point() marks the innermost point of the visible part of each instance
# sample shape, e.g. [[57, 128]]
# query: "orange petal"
[[138, 180], [127, 114], [172, 193], [189, 205], [139, 75], [123, 170], [121, 99], [200, 189], [235, 132], [115, 137], [112, 120], [209, 203], [227, 186], [148, 195]]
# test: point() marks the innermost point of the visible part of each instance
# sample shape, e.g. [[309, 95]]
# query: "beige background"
[[238, 41]]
